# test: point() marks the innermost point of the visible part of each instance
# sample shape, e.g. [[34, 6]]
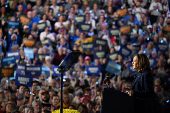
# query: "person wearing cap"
[[77, 10], [20, 100], [149, 35], [131, 15], [87, 61]]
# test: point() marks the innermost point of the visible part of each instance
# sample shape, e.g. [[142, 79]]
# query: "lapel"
[[137, 78]]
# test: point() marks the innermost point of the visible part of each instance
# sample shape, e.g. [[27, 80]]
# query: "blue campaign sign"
[[54, 69], [15, 53], [42, 56], [79, 19], [113, 68], [29, 53], [153, 62], [112, 56], [45, 70], [20, 69], [100, 42], [93, 70], [124, 51], [13, 24], [6, 61], [167, 79], [41, 26], [85, 27], [131, 70], [99, 54], [87, 46], [33, 70], [162, 47], [114, 32], [23, 80]]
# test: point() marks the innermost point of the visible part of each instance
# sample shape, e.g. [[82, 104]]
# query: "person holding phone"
[[145, 100]]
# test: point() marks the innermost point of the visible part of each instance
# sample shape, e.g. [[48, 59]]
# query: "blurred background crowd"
[[150, 22]]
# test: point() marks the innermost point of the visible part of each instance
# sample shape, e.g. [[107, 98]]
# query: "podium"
[[114, 101]]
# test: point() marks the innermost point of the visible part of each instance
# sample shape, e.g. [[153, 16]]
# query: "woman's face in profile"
[[135, 63]]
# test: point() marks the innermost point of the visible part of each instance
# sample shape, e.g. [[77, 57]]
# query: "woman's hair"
[[22, 107], [28, 108], [143, 62]]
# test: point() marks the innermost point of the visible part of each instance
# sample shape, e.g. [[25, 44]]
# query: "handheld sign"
[[153, 62], [131, 70], [55, 70], [167, 79], [113, 68], [124, 51], [122, 12], [33, 70], [1, 31], [79, 19], [167, 29], [99, 54], [100, 42], [46, 42], [13, 25], [41, 26], [29, 42], [114, 32], [136, 47], [24, 20], [15, 53], [85, 27], [66, 111], [45, 70], [20, 69], [6, 61], [7, 72], [42, 56], [93, 70], [29, 53], [23, 80], [125, 29], [87, 46], [162, 47], [112, 56]]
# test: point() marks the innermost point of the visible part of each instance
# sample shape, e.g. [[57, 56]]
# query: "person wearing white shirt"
[[138, 11], [44, 19], [54, 7], [155, 9], [47, 35], [90, 21]]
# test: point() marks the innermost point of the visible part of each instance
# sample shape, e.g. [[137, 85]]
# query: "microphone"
[[108, 77]]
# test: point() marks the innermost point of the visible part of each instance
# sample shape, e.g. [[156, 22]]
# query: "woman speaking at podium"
[[145, 100]]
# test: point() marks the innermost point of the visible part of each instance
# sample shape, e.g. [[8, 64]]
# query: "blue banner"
[[79, 19], [87, 46], [54, 69], [15, 53], [23, 80], [124, 51], [99, 54], [93, 70], [46, 42], [20, 69], [131, 70], [85, 27], [6, 61], [153, 62], [162, 47], [112, 56], [33, 70], [113, 32], [29, 53], [113, 68], [45, 70], [41, 26], [13, 24], [100, 42], [167, 79], [42, 56]]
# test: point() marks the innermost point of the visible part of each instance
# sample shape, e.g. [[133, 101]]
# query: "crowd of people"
[[52, 26]]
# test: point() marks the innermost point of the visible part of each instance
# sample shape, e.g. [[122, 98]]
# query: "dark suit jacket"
[[145, 100]]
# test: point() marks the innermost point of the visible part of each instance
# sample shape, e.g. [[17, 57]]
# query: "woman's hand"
[[129, 92]]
